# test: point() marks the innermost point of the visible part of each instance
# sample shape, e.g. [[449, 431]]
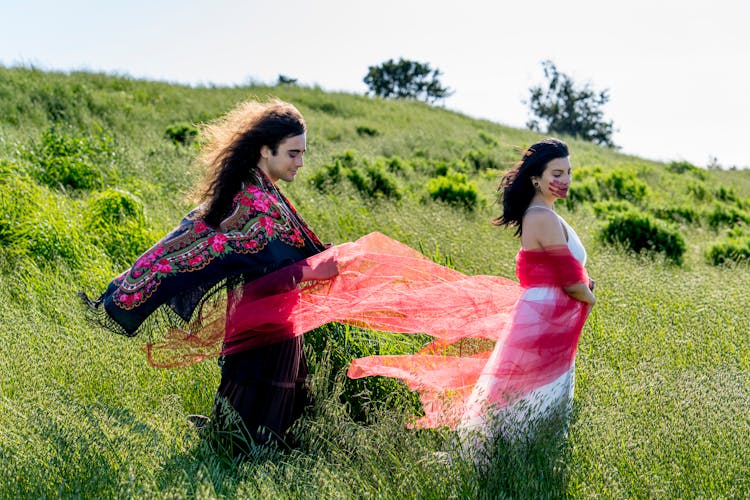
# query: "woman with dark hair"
[[188, 283], [530, 373]]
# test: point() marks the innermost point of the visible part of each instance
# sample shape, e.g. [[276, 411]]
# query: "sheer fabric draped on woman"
[[530, 374]]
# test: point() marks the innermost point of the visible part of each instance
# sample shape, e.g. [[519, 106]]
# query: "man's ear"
[[265, 152]]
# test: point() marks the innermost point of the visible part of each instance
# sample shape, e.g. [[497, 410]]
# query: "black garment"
[[266, 387]]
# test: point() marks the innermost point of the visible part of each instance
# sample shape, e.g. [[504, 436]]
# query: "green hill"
[[94, 168]]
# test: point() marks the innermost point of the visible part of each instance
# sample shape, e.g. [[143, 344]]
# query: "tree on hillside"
[[406, 80], [567, 108]]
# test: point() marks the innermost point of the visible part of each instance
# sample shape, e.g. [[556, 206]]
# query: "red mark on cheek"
[[558, 188]]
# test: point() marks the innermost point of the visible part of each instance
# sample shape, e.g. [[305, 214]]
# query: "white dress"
[[483, 421]]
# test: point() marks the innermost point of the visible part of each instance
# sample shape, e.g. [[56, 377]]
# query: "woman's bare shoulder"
[[542, 228]]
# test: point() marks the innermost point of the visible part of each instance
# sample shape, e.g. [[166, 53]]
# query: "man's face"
[[287, 160]]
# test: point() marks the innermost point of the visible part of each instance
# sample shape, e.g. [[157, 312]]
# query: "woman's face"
[[555, 180]]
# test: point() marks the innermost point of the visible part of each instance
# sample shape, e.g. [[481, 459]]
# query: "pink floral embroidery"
[[163, 266], [250, 244], [200, 226], [217, 242], [267, 224], [195, 260]]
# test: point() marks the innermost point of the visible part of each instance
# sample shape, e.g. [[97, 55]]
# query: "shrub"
[[734, 250], [677, 213], [488, 139], [374, 181], [698, 191], [608, 207], [640, 232], [681, 167], [479, 160], [584, 191], [342, 343], [397, 165], [723, 214], [19, 198], [623, 185], [454, 188], [366, 131], [327, 176], [115, 221], [78, 162], [181, 133], [726, 194]]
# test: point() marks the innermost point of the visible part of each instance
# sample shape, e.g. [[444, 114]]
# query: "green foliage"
[[623, 185], [681, 167], [640, 232], [488, 139], [115, 221], [67, 160], [372, 179], [406, 80], [480, 160], [722, 214], [366, 131], [733, 250], [604, 208], [565, 108], [454, 188], [677, 213], [181, 133], [342, 343], [85, 416]]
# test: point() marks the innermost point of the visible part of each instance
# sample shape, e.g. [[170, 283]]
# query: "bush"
[[623, 185], [78, 162], [479, 160], [343, 343], [584, 191], [488, 139], [374, 181], [181, 133], [677, 213], [327, 176], [725, 215], [115, 222], [602, 208], [734, 250], [454, 188], [365, 131], [19, 198], [698, 191], [640, 232], [681, 167]]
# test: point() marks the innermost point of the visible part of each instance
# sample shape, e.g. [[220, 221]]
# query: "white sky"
[[678, 71]]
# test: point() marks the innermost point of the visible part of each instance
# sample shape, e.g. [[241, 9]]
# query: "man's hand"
[[323, 271]]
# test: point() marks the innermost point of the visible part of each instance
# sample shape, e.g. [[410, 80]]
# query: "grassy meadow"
[[94, 169]]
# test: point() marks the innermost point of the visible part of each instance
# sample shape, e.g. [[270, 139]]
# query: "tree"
[[406, 80], [566, 108]]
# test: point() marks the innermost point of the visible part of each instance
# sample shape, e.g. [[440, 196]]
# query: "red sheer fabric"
[[386, 286], [381, 285], [536, 345]]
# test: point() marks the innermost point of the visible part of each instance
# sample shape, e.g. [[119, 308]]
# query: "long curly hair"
[[516, 188], [231, 151]]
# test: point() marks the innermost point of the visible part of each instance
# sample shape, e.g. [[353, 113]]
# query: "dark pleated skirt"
[[266, 388]]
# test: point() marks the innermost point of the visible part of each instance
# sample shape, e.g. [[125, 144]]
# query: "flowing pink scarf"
[[386, 286]]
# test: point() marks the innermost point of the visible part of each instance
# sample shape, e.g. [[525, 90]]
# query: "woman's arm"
[[581, 291]]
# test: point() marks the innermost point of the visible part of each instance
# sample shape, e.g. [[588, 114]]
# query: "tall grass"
[[663, 372]]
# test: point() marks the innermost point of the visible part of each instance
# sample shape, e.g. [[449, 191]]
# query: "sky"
[[677, 71]]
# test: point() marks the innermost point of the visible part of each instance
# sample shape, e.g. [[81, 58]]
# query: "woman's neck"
[[540, 200]]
